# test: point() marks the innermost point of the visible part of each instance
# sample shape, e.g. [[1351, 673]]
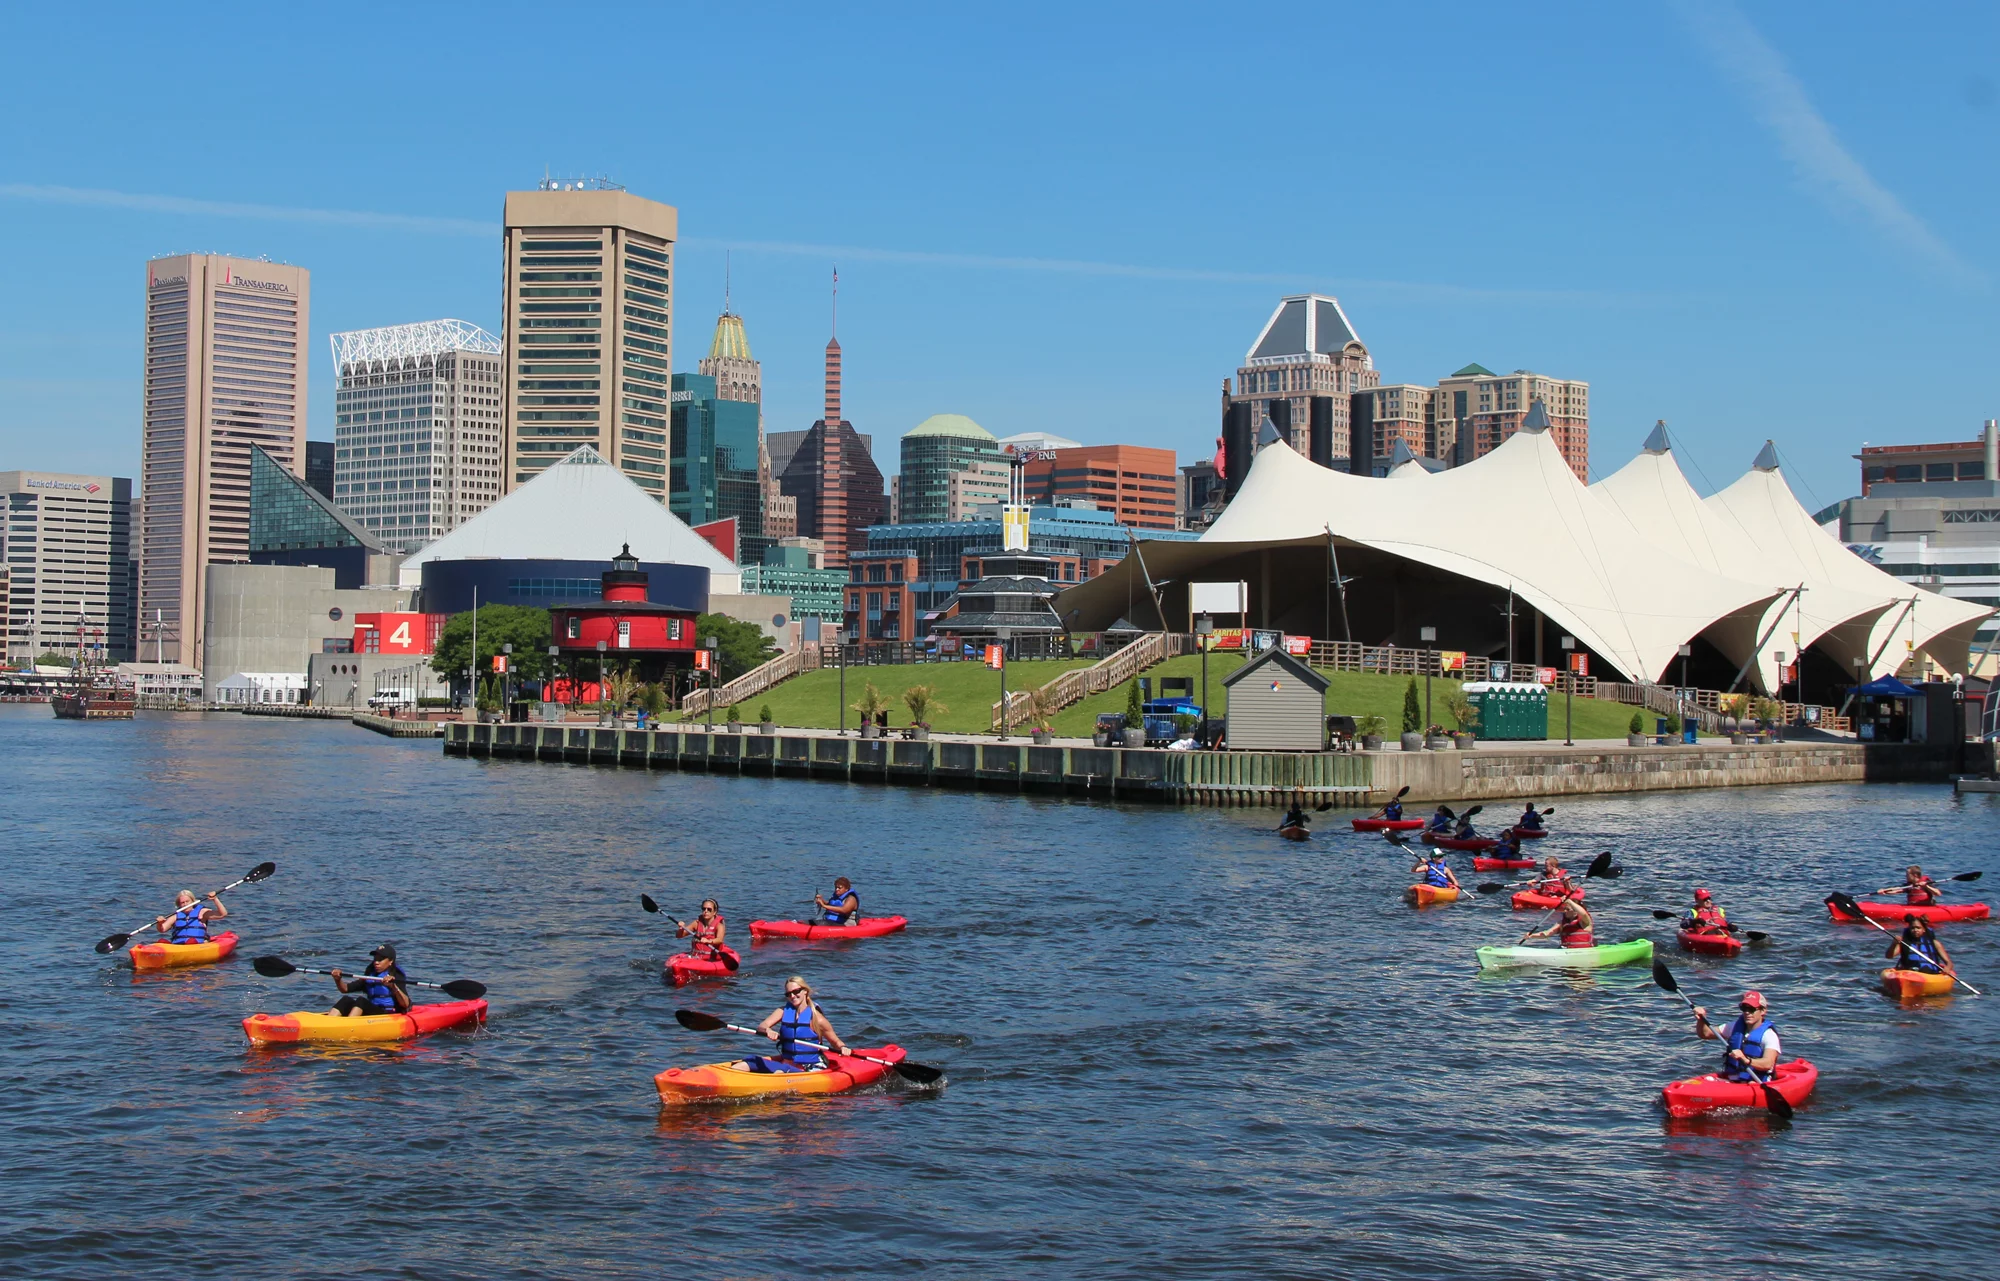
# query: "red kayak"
[[1698, 1094], [1480, 864], [686, 967], [1710, 943], [1529, 833], [1477, 844], [1897, 911], [1529, 901], [867, 927], [1388, 824]]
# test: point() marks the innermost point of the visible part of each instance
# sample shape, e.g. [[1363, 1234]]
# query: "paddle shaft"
[[408, 982], [155, 922], [1933, 960], [813, 1045]]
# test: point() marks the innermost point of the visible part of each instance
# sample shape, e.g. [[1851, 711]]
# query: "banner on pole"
[[996, 656]]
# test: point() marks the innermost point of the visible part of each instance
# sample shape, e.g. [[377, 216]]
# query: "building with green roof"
[[933, 451]]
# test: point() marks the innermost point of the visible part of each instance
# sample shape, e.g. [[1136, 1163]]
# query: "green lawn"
[[969, 690]]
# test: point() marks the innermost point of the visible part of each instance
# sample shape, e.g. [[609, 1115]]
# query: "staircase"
[[755, 681], [1078, 683]]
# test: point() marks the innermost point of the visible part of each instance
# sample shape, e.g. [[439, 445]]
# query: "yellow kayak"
[[304, 1025], [1425, 895], [1914, 983], [724, 1081], [159, 956]]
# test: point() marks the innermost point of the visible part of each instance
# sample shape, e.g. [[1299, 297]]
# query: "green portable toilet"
[[1510, 709]]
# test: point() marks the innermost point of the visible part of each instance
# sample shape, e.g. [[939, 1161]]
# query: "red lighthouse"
[[653, 639]]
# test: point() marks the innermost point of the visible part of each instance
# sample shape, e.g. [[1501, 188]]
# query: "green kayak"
[[1568, 958]]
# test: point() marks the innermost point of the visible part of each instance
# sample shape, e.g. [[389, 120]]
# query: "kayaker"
[[1572, 926], [1919, 890], [1705, 917], [378, 989], [1393, 811], [1555, 882], [1753, 1043], [1919, 948], [1507, 845], [1441, 821], [1530, 820], [189, 923], [798, 1019], [1295, 817], [1464, 832], [843, 908], [1436, 871], [707, 930]]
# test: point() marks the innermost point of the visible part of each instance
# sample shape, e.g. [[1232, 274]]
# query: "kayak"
[[1712, 944], [158, 956], [1793, 1081], [867, 927], [1425, 895], [685, 967], [312, 1025], [1529, 901], [1388, 824], [1914, 983], [1529, 833], [1897, 911], [1480, 864], [1568, 958], [1295, 833], [1477, 844], [725, 1081]]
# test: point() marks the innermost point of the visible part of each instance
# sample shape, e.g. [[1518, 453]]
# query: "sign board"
[[1226, 638], [1496, 671], [499, 662], [397, 633], [1545, 675], [701, 660], [1261, 641], [996, 656], [1299, 646], [1451, 660], [1580, 664], [1219, 598], [1013, 529]]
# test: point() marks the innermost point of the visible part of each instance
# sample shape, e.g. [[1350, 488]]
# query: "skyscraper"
[[1479, 409], [416, 428], [69, 554], [588, 315], [933, 451], [1306, 361], [734, 414], [225, 370], [837, 485]]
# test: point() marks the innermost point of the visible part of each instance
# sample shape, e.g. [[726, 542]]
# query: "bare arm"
[[769, 1027], [824, 1030], [219, 910]]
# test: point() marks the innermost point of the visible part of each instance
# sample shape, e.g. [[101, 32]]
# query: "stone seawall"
[[1483, 774]]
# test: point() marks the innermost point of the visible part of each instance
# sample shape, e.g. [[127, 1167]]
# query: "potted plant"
[[1635, 733], [1673, 734], [765, 725], [1467, 717], [1435, 738], [1135, 716], [654, 700], [1369, 730], [922, 701], [870, 702], [1040, 718], [488, 702], [735, 720], [1413, 718]]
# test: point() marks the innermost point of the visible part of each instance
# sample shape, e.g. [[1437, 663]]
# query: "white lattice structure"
[[409, 342]]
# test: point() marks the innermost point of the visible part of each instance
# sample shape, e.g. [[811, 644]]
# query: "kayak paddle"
[[1774, 1102], [695, 1021], [729, 962], [1847, 904], [277, 967], [1962, 876], [1755, 936], [1400, 794], [111, 943]]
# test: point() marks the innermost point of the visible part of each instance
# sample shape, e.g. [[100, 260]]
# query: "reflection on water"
[[1178, 1046]]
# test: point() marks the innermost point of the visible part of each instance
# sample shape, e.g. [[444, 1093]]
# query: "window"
[[1938, 471], [673, 629], [575, 627]]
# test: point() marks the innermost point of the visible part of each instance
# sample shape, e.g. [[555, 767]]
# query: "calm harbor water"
[[1176, 1045]]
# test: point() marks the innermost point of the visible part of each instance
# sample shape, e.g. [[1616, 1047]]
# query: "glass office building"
[[712, 471], [291, 523]]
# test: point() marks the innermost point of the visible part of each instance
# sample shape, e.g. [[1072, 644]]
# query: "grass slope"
[[967, 690]]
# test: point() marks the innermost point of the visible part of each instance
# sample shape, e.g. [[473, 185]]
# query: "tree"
[[1413, 709], [52, 659], [522, 626], [743, 645], [1135, 709]]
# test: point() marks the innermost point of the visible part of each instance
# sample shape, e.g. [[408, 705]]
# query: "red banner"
[[996, 656]]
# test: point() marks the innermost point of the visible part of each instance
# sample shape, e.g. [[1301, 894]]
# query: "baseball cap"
[[386, 952]]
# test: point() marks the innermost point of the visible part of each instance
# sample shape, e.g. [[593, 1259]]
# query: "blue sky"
[[1769, 220]]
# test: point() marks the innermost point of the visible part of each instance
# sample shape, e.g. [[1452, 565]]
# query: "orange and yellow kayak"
[[307, 1025], [725, 1081], [159, 956], [1914, 983], [1425, 895]]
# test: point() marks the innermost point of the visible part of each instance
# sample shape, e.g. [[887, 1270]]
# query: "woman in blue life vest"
[[1436, 871], [1919, 948], [844, 908], [1752, 1053], [189, 923], [1441, 820], [799, 1029], [1508, 846], [378, 989], [1530, 820]]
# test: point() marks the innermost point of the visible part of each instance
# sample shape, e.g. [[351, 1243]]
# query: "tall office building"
[[416, 428], [319, 466], [1306, 363], [837, 485], [713, 470], [1479, 409], [739, 402], [588, 342], [1135, 483], [69, 561], [934, 451], [225, 370]]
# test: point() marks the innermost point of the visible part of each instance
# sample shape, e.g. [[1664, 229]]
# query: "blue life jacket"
[[1531, 821], [795, 1026], [1440, 822], [1506, 848], [1750, 1040], [187, 926], [381, 998], [834, 914], [1436, 875], [1916, 956], [1393, 811]]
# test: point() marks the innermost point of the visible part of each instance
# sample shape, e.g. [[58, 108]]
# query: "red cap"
[[1753, 997], [1701, 894]]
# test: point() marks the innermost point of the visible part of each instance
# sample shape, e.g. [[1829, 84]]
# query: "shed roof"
[[1278, 657]]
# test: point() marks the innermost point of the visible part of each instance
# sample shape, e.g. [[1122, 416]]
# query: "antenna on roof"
[[836, 300], [725, 282]]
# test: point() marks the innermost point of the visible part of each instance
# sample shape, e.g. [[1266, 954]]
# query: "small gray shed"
[[1276, 704]]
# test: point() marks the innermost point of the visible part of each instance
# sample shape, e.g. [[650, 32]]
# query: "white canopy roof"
[[581, 508]]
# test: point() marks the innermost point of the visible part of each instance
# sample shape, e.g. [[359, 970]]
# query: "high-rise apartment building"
[[1135, 483], [69, 562], [976, 490], [225, 370], [1405, 412], [934, 451], [1301, 371], [833, 477], [416, 428], [1478, 409], [588, 341]]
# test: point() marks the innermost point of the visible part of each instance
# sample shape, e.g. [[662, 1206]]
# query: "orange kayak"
[[725, 1081], [313, 1025], [1911, 984], [159, 956], [1425, 895]]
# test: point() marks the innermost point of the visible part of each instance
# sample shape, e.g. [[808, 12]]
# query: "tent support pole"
[[1876, 657], [1340, 585], [1151, 590], [1776, 622]]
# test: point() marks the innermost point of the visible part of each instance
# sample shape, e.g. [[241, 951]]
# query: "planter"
[[1438, 744], [736, 727], [1465, 742], [1043, 738], [1371, 742], [489, 718], [922, 734], [870, 730], [1100, 739], [1635, 740], [767, 727], [1739, 738], [1413, 742], [1134, 737]]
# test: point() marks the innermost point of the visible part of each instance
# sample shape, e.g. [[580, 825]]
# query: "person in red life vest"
[[1572, 927], [707, 931], [1918, 890], [799, 1029], [1555, 882], [1753, 1043], [189, 923], [1705, 917]]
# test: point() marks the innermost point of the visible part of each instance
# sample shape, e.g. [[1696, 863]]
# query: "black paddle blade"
[[1550, 810], [259, 872], [1599, 866], [646, 901], [1491, 887], [273, 967], [1757, 936], [1402, 791], [1775, 1104], [463, 990], [696, 1021], [729, 962], [1474, 810], [1664, 977], [1968, 876], [1614, 873], [1845, 902], [921, 1073], [112, 943], [1661, 915], [1321, 809]]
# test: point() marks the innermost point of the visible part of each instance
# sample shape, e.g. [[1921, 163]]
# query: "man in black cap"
[[376, 990]]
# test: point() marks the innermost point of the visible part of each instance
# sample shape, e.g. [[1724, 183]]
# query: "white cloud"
[[229, 209]]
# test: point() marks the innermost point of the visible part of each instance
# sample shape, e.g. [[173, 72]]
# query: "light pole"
[[713, 645], [1204, 631], [840, 661], [548, 682], [1001, 634], [1428, 635], [1569, 689], [603, 716], [507, 683]]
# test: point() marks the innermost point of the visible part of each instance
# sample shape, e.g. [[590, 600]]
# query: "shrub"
[[1184, 726], [654, 700], [764, 713], [1638, 725], [922, 701], [1373, 726], [871, 701], [1462, 711], [1673, 722], [1413, 708], [1135, 709]]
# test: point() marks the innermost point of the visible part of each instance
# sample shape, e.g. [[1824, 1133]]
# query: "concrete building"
[[1135, 483], [715, 461], [588, 315], [68, 563], [833, 477], [1405, 412], [1306, 363], [291, 523], [976, 490], [416, 428], [934, 451], [1476, 409], [225, 370], [881, 606], [1199, 494], [268, 620], [796, 571]]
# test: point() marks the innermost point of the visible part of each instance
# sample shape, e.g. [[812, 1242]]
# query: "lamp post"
[[713, 645], [555, 652], [840, 661], [602, 714], [1569, 689], [507, 683], [1428, 635], [1001, 634], [1204, 631]]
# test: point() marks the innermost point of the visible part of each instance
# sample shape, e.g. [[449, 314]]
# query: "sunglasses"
[[1747, 1008], [799, 991]]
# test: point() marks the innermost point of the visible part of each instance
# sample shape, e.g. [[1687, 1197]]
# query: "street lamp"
[[1204, 632], [1428, 635], [1569, 689], [712, 644], [507, 683], [603, 715], [1001, 634], [555, 652]]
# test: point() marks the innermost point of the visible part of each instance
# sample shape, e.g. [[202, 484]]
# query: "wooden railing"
[[755, 681], [1078, 683]]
